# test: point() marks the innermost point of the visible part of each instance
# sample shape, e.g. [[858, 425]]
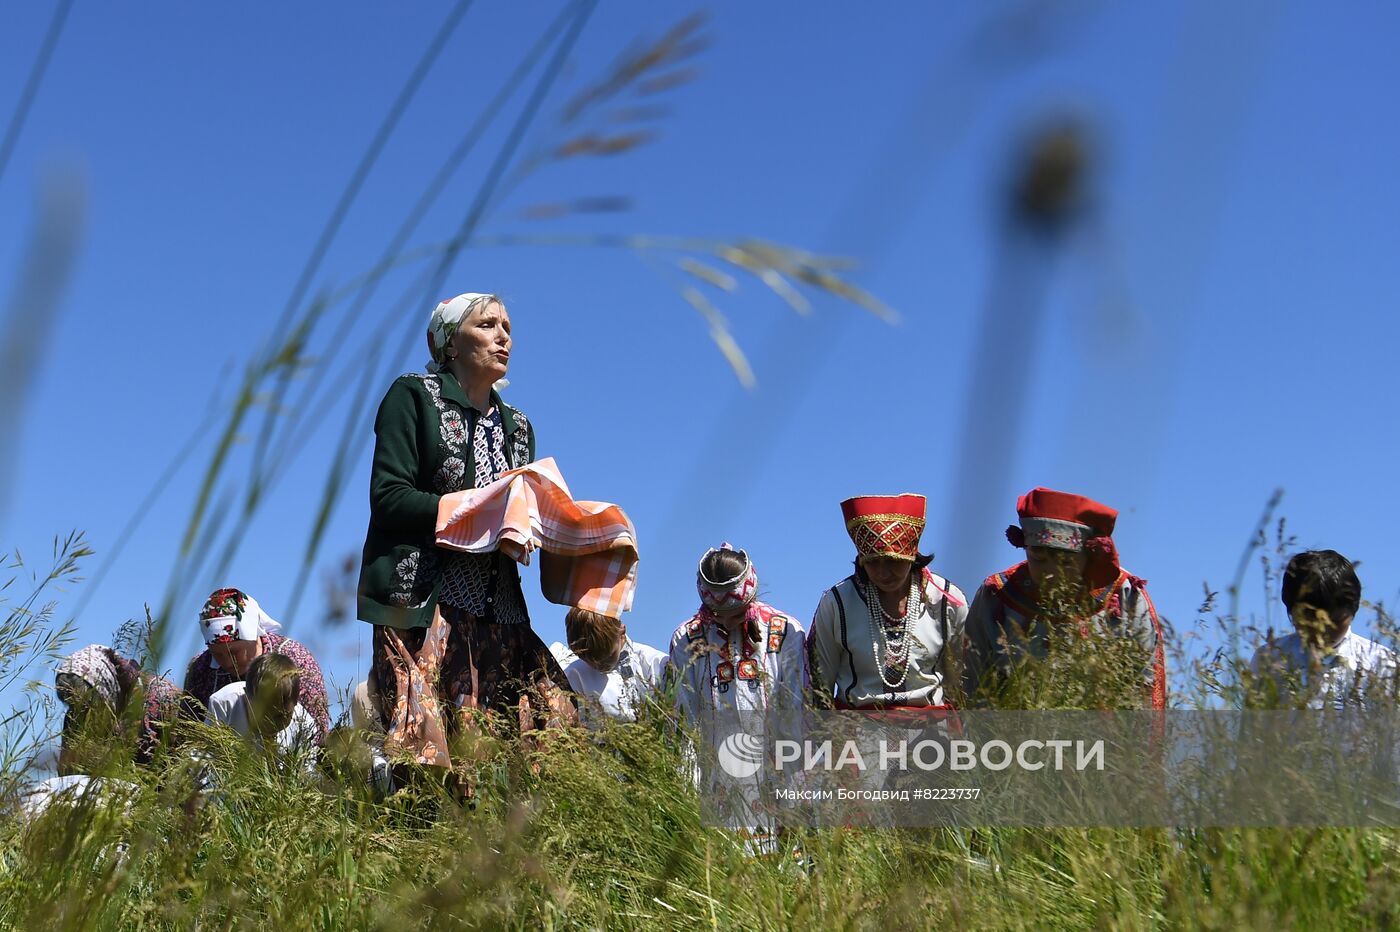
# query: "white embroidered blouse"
[[845, 633]]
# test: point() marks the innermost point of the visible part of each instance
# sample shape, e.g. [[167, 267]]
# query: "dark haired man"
[[1330, 663]]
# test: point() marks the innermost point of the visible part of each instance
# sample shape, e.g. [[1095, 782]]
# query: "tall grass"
[[587, 831], [607, 835], [31, 640]]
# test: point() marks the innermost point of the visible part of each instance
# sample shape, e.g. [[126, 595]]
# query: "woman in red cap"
[[887, 636], [1070, 576]]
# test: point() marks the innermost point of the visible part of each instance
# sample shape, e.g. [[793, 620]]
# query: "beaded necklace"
[[895, 656]]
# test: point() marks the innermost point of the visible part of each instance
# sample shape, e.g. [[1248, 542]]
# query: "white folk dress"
[[758, 678]]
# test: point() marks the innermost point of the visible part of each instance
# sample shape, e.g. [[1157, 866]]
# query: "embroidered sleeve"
[[686, 662], [1146, 627], [793, 679], [1138, 616], [957, 622], [522, 441], [958, 611]]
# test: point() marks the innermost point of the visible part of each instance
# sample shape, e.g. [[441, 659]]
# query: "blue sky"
[[1220, 328]]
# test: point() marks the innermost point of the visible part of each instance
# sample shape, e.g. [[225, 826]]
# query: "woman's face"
[[1056, 571], [235, 655], [889, 574], [77, 694], [733, 618], [482, 343]]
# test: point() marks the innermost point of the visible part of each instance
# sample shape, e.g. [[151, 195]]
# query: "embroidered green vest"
[[422, 451]]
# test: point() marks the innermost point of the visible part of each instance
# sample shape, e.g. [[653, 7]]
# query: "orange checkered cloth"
[[589, 548]]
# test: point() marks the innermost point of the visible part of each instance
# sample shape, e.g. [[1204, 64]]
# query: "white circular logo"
[[741, 755]]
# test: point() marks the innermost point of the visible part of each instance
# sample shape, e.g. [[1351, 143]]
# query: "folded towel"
[[589, 548]]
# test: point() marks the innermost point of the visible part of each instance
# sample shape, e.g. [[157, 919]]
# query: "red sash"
[[908, 716]]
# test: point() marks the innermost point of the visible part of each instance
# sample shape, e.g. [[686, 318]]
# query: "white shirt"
[[229, 707], [75, 787], [617, 694], [1339, 677], [562, 655]]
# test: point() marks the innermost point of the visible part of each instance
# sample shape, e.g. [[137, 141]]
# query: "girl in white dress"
[[738, 662]]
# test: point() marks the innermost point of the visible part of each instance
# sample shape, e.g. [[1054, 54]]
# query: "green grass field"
[[587, 835], [606, 833]]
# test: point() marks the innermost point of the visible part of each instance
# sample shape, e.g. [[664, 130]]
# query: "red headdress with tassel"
[[1066, 521]]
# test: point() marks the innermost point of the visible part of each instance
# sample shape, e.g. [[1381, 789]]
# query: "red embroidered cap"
[[1060, 519], [885, 525], [1069, 522]]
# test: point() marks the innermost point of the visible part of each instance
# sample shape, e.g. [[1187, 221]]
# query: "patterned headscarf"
[[233, 615], [726, 595], [445, 320], [93, 665]]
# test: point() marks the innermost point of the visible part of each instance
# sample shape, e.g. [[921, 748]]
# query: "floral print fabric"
[[95, 667], [429, 679], [233, 615]]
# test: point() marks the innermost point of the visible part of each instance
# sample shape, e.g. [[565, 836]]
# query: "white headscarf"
[[233, 615], [445, 320], [93, 665]]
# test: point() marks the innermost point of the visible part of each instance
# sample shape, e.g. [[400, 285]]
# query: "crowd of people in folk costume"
[[453, 643]]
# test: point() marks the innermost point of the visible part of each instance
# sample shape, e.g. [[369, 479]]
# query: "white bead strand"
[[898, 657]]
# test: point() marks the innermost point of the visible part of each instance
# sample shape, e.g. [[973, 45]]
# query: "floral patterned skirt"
[[431, 680]]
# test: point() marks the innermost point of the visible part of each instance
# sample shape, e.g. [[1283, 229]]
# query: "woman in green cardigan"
[[451, 630]]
